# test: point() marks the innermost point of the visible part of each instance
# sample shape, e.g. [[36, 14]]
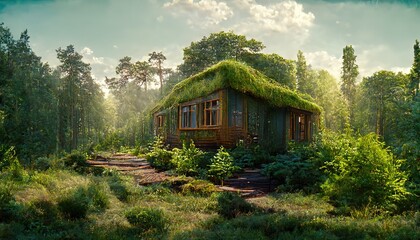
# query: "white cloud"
[[323, 60], [285, 16], [160, 19], [101, 66], [86, 51], [401, 69], [203, 13]]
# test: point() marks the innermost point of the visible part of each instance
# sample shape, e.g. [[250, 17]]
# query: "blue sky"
[[381, 32]]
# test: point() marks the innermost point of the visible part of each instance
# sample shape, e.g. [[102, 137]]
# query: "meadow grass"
[[33, 212]]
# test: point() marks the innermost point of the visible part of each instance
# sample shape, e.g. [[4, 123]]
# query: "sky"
[[382, 32]]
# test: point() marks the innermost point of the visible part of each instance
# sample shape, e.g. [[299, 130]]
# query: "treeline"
[[43, 110]]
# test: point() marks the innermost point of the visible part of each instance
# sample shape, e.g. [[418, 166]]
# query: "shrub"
[[363, 173], [159, 157], [6, 203], [145, 219], [77, 203], [200, 187], [294, 173], [10, 165], [98, 196], [222, 166], [76, 161], [243, 157], [187, 159], [230, 205], [42, 163], [74, 205]]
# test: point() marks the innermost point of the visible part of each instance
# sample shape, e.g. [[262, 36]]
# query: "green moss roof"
[[240, 77]]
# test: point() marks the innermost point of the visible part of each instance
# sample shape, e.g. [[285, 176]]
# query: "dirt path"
[[249, 183], [139, 168]]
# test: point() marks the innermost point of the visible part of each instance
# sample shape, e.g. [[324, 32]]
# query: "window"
[[237, 118], [211, 113], [200, 115], [189, 116], [302, 132], [160, 121], [299, 126]]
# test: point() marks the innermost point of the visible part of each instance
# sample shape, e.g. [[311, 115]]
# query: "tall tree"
[[215, 48], [157, 59], [326, 93], [349, 73], [302, 74], [273, 66], [415, 71], [141, 73], [79, 100], [381, 98], [27, 100]]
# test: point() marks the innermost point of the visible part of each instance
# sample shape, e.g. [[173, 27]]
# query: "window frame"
[[207, 109], [299, 126]]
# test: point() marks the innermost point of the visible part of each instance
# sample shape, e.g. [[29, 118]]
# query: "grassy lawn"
[[37, 207]]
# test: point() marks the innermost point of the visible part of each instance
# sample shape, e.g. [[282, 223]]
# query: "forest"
[[357, 179]]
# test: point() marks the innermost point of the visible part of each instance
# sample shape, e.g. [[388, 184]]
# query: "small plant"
[[294, 173], [74, 205], [159, 157], [243, 156], [200, 187], [76, 161], [146, 219], [119, 188], [10, 165], [77, 203], [187, 159], [231, 205], [222, 166], [98, 196], [42, 163]]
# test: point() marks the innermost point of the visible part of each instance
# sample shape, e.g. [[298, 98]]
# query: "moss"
[[240, 77]]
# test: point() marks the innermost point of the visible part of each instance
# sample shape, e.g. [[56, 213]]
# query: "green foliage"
[[215, 48], [158, 156], [349, 73], [241, 78], [273, 66], [362, 172], [76, 203], [42, 163], [7, 202], [187, 159], [10, 165], [294, 173], [119, 187], [146, 219], [230, 205], [302, 74], [222, 166], [200, 187], [76, 161]]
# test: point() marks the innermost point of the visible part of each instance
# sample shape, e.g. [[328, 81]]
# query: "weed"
[[145, 219], [231, 205]]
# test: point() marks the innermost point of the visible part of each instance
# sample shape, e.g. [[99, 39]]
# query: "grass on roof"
[[240, 77]]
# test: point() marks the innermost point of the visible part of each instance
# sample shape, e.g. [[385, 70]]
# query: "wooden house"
[[230, 102]]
